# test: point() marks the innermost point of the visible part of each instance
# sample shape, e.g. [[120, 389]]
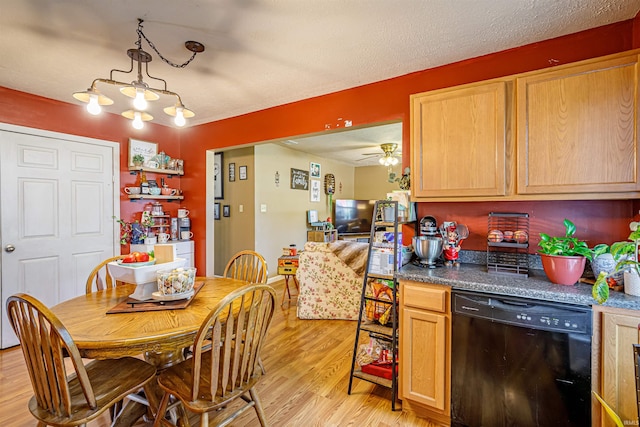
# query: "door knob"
[[9, 248]]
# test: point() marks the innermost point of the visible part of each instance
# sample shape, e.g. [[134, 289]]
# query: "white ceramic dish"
[[135, 264], [157, 296], [144, 274]]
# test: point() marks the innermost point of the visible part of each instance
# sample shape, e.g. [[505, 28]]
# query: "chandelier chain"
[[173, 64]]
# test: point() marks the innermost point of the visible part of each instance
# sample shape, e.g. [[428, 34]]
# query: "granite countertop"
[[474, 277]]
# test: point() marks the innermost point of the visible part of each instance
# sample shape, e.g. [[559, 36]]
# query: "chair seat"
[[112, 381], [178, 380]]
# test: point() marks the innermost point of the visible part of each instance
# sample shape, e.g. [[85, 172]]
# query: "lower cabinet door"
[[424, 354], [619, 333]]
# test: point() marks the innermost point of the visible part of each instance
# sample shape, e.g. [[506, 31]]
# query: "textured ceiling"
[[262, 53]]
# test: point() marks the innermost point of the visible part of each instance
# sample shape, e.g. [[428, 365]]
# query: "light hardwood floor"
[[307, 364]]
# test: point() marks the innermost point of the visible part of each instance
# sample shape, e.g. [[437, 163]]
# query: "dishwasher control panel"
[[524, 312]]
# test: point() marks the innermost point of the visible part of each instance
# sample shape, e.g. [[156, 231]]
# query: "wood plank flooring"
[[307, 364]]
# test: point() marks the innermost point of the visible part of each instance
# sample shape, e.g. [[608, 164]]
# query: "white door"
[[58, 202]]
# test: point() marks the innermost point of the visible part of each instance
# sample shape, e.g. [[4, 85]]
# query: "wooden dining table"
[[158, 335]]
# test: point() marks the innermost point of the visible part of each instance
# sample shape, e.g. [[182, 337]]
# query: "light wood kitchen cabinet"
[[615, 332], [577, 128], [461, 141], [425, 349]]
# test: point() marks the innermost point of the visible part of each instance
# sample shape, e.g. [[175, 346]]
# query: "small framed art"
[[226, 211], [243, 172], [147, 150], [232, 172], [217, 177], [314, 170], [216, 211]]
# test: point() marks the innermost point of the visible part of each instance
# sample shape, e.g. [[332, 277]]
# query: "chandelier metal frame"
[[138, 89]]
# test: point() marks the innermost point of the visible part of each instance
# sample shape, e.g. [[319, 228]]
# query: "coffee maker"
[[184, 225]]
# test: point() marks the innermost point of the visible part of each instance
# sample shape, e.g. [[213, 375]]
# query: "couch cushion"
[[329, 288]]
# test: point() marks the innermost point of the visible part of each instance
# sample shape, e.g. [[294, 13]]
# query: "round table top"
[[101, 335]]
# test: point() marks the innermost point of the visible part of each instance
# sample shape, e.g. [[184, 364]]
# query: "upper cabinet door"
[[459, 141], [578, 129]]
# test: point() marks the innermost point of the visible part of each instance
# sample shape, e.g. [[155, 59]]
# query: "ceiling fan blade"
[[367, 158]]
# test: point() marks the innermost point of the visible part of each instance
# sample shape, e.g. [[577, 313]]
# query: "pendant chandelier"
[[140, 91]]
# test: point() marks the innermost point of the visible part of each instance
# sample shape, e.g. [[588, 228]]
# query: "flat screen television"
[[353, 216]]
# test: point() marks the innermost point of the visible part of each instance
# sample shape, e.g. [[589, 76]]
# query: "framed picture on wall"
[[314, 170], [232, 172], [217, 177], [145, 149], [299, 179], [243, 172], [226, 211], [216, 211], [315, 190]]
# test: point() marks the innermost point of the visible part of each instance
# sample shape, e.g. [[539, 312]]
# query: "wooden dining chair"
[[247, 265], [250, 267], [224, 366], [97, 281], [68, 400]]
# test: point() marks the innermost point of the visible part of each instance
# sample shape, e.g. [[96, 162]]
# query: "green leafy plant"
[[138, 158], [600, 289], [566, 245], [619, 250]]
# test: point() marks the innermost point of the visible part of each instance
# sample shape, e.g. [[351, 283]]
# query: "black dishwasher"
[[519, 362]]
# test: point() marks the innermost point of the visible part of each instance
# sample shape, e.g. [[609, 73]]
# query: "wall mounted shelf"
[[135, 169], [153, 197]]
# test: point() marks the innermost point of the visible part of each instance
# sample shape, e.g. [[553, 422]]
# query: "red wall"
[[377, 102], [22, 109]]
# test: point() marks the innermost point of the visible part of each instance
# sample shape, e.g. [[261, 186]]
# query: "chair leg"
[[261, 366], [258, 407], [204, 419], [162, 409]]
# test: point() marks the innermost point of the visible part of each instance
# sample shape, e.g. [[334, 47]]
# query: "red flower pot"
[[563, 270]]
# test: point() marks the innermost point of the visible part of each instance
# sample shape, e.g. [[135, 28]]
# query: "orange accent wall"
[[23, 109], [372, 103]]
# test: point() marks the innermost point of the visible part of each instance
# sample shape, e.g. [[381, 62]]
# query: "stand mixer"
[[428, 245]]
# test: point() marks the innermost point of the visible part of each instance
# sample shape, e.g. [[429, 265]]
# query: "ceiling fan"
[[389, 155]]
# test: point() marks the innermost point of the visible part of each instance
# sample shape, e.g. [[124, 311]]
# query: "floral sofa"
[[330, 276]]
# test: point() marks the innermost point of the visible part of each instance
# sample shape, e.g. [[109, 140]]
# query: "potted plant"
[[628, 265], [130, 232], [138, 159], [605, 258], [564, 257]]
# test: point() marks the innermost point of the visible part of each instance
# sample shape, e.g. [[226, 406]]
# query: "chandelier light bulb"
[[93, 107], [137, 120], [179, 120], [382, 161], [394, 161], [139, 103]]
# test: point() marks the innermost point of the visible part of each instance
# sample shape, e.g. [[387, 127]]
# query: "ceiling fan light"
[[382, 161], [393, 160]]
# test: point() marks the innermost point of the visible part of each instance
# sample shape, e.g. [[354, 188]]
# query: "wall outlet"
[[263, 207]]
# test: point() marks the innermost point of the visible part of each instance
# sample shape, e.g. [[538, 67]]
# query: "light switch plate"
[[263, 207]]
